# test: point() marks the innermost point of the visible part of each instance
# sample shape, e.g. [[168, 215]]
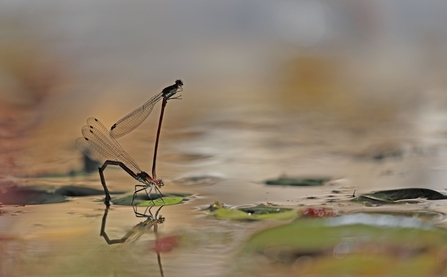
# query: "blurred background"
[[345, 74]]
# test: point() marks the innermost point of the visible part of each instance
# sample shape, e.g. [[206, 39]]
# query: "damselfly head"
[[179, 82], [161, 219], [159, 183]]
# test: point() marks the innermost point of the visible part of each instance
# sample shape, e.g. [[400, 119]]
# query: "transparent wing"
[[92, 151], [98, 145], [131, 121]]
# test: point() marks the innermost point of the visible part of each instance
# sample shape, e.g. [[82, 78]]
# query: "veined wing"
[[98, 145], [131, 121]]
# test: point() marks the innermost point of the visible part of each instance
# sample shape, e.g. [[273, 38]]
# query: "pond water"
[[229, 158], [260, 102]]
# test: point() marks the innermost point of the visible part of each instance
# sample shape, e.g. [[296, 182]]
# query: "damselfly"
[[135, 233], [131, 121], [97, 144], [140, 229]]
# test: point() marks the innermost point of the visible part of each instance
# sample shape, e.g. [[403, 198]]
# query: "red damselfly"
[[132, 120], [97, 144]]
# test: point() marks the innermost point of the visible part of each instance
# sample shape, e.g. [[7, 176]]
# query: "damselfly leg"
[[103, 181], [97, 144], [139, 188], [147, 212]]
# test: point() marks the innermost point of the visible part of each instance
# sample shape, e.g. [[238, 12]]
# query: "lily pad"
[[29, 195], [299, 182], [166, 201], [259, 212], [144, 201], [263, 209], [391, 245], [398, 196]]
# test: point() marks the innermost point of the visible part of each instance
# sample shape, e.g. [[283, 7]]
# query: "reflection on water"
[[353, 90], [152, 221]]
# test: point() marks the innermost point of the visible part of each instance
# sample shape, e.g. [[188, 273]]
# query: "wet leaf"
[[143, 200], [259, 212], [233, 214], [166, 201], [300, 182], [393, 244], [263, 209], [29, 195], [398, 196]]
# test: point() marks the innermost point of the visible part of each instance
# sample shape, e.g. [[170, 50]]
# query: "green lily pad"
[[144, 201], [263, 209], [299, 182], [398, 196], [166, 201], [259, 212], [29, 195], [391, 245]]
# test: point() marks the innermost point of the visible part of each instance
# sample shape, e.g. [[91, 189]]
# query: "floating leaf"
[[300, 182], [397, 196], [258, 212], [143, 200], [166, 201], [263, 209], [392, 244], [232, 214], [29, 195]]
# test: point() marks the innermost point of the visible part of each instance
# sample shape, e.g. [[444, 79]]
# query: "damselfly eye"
[[179, 82]]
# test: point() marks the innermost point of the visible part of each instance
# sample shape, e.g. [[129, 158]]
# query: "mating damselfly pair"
[[100, 144]]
